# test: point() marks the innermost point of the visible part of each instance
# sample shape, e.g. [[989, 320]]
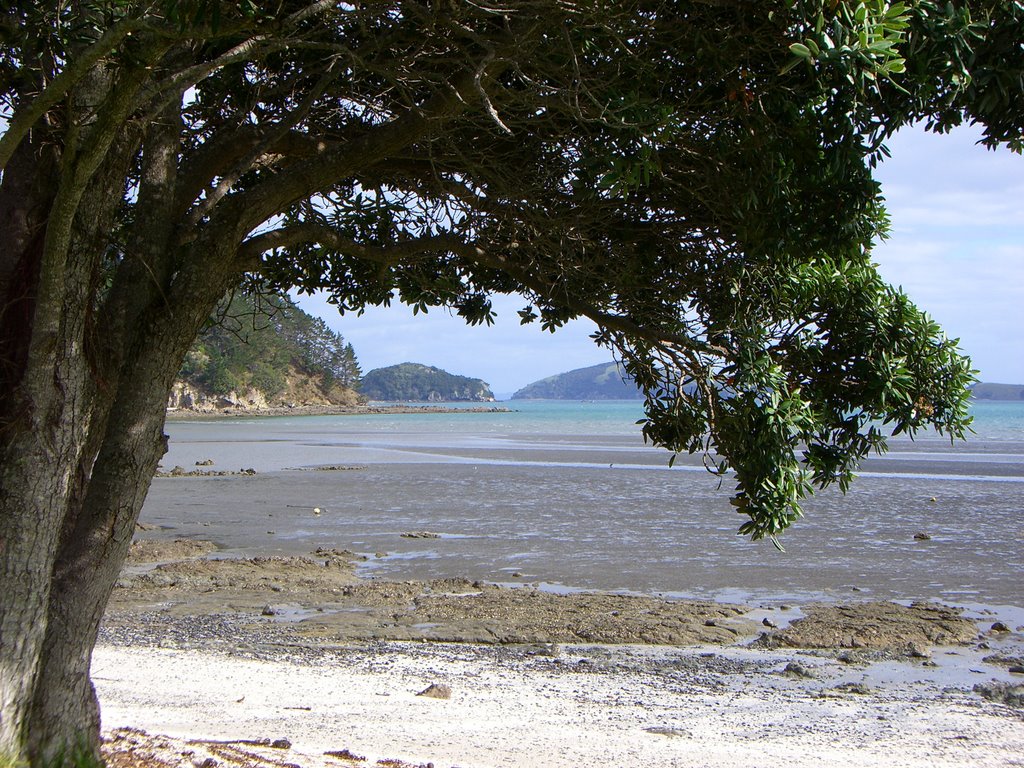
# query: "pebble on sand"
[[436, 691]]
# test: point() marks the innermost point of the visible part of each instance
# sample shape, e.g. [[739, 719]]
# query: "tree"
[[695, 177]]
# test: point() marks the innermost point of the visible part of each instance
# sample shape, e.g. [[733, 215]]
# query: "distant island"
[[989, 391], [414, 382], [598, 382], [607, 381]]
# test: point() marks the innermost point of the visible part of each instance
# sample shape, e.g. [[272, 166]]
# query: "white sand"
[[517, 711]]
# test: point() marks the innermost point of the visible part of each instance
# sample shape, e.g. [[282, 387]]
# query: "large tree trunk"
[[45, 412], [93, 548], [82, 407], [68, 516]]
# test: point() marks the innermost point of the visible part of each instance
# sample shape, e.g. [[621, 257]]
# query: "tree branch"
[[24, 118], [242, 213], [276, 132], [309, 233], [615, 322]]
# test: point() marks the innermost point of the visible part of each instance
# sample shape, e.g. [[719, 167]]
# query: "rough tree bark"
[[87, 368]]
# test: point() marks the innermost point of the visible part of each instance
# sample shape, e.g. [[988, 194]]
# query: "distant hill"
[[263, 351], [598, 382], [988, 391], [413, 382]]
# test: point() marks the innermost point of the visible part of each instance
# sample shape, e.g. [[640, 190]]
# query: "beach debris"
[[918, 651], [180, 471], [1004, 659], [316, 511], [662, 730], [553, 650], [858, 688], [436, 691], [157, 551], [1010, 694], [346, 755], [420, 535], [921, 536], [796, 669]]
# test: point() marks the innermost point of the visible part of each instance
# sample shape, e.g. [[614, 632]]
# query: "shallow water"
[[567, 494]]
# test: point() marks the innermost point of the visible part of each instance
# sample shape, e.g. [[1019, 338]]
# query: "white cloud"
[[958, 242]]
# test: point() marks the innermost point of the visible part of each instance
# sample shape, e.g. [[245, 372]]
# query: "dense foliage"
[[255, 340], [413, 382], [605, 381]]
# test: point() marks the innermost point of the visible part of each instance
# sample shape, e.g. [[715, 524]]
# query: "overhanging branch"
[[308, 233], [24, 118]]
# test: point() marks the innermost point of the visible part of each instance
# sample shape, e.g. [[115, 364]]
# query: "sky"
[[957, 248]]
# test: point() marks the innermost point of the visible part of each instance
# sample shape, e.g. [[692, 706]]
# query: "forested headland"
[[413, 382], [262, 351]]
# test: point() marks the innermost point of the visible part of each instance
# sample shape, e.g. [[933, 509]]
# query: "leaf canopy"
[[694, 177]]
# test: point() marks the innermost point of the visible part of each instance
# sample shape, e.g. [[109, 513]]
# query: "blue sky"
[[957, 248]]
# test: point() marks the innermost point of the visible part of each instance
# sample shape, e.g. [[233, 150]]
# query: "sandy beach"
[[567, 600], [589, 706], [223, 659]]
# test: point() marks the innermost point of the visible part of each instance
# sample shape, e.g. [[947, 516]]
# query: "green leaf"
[[800, 50]]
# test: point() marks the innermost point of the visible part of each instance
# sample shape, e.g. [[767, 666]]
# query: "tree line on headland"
[[262, 343]]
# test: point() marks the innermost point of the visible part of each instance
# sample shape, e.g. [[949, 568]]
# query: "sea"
[[566, 496]]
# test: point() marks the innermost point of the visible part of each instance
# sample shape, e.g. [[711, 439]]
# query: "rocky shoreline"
[[236, 411], [320, 599], [266, 662]]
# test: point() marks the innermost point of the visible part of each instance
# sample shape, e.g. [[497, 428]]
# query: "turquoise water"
[[993, 420], [998, 420]]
